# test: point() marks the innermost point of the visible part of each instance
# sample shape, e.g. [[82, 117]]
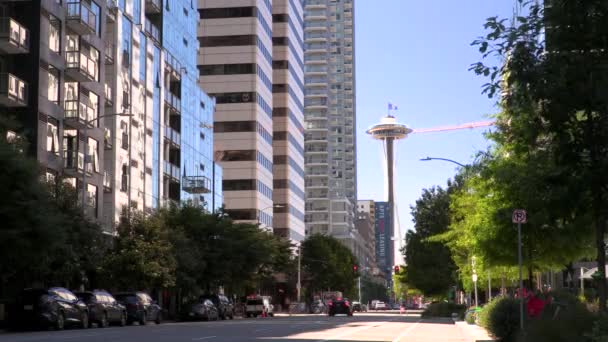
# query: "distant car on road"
[[358, 307], [224, 306], [256, 306], [340, 306], [200, 309], [140, 307], [380, 306], [54, 307], [104, 309]]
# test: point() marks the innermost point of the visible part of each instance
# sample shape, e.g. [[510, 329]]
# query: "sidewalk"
[[473, 333]]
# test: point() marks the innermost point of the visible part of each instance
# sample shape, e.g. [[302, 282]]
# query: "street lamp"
[[277, 206], [86, 151], [444, 159]]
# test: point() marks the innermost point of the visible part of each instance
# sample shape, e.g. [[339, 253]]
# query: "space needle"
[[389, 130]]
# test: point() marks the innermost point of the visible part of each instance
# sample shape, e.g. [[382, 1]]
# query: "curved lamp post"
[[444, 159]]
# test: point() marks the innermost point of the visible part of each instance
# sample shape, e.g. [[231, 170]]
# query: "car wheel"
[[158, 318], [143, 319], [84, 320], [123, 319], [103, 323], [60, 323]]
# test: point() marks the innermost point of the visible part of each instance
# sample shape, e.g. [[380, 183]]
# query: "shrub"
[[570, 323], [471, 316], [599, 331], [443, 309], [501, 318]]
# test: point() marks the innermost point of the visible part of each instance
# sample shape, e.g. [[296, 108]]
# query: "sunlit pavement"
[[302, 328]]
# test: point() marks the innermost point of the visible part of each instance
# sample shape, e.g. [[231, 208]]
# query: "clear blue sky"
[[416, 55]]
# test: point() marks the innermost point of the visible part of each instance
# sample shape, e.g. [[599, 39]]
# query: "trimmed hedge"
[[443, 309], [501, 318]]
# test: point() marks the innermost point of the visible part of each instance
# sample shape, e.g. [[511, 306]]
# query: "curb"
[[473, 333]]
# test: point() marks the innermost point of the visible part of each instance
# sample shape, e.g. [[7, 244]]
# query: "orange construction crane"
[[469, 125]]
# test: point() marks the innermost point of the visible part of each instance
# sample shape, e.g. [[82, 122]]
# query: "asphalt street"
[[390, 327]]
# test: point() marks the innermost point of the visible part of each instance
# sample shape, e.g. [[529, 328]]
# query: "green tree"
[[30, 233], [328, 264], [430, 267], [554, 76], [142, 255]]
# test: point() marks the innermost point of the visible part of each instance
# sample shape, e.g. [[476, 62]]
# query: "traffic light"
[[396, 269], [355, 268]]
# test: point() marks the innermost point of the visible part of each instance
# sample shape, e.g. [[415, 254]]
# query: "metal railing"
[[173, 135], [196, 184], [79, 60], [173, 101], [80, 110], [79, 11], [73, 159], [152, 30], [171, 170]]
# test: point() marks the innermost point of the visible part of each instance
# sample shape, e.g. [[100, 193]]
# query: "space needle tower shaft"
[[388, 130]]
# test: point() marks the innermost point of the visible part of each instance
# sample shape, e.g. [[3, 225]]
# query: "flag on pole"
[[392, 106]]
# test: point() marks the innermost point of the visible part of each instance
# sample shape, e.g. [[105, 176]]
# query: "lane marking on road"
[[203, 338], [263, 329], [353, 331], [406, 331]]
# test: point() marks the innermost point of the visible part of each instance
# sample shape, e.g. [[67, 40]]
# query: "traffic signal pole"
[[299, 285]]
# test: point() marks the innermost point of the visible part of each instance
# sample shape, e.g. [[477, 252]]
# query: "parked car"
[[140, 307], [258, 305], [340, 306], [359, 307], [200, 309], [224, 306], [54, 307], [380, 306], [104, 309]]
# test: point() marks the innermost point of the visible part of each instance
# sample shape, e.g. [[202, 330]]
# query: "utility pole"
[[299, 285], [519, 217], [359, 285]]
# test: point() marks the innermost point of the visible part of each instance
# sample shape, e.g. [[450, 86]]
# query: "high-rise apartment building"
[[365, 224], [329, 114], [108, 91], [252, 65]]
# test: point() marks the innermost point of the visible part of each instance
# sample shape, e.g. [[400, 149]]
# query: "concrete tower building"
[[330, 139], [236, 67]]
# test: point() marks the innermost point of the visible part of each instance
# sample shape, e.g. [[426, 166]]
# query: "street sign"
[[519, 216]]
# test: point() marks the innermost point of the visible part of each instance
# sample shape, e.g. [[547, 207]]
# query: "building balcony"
[[73, 160], [14, 38], [13, 91], [154, 6], [152, 30], [172, 102], [80, 67], [80, 18], [173, 66], [173, 136], [196, 184], [171, 170], [80, 112]]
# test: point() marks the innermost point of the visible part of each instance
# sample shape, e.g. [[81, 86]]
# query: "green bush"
[[443, 309], [599, 331], [471, 316], [572, 322], [501, 318]]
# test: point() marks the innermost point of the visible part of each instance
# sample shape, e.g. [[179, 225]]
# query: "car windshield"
[[127, 298], [85, 296]]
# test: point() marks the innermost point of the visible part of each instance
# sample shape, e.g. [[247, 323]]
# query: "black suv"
[[339, 306], [140, 307], [103, 308], [56, 307], [224, 306]]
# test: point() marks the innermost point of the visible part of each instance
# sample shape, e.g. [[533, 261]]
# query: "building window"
[[238, 155], [92, 197], [52, 138], [93, 164], [55, 35], [239, 184], [53, 85], [97, 10], [124, 178]]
